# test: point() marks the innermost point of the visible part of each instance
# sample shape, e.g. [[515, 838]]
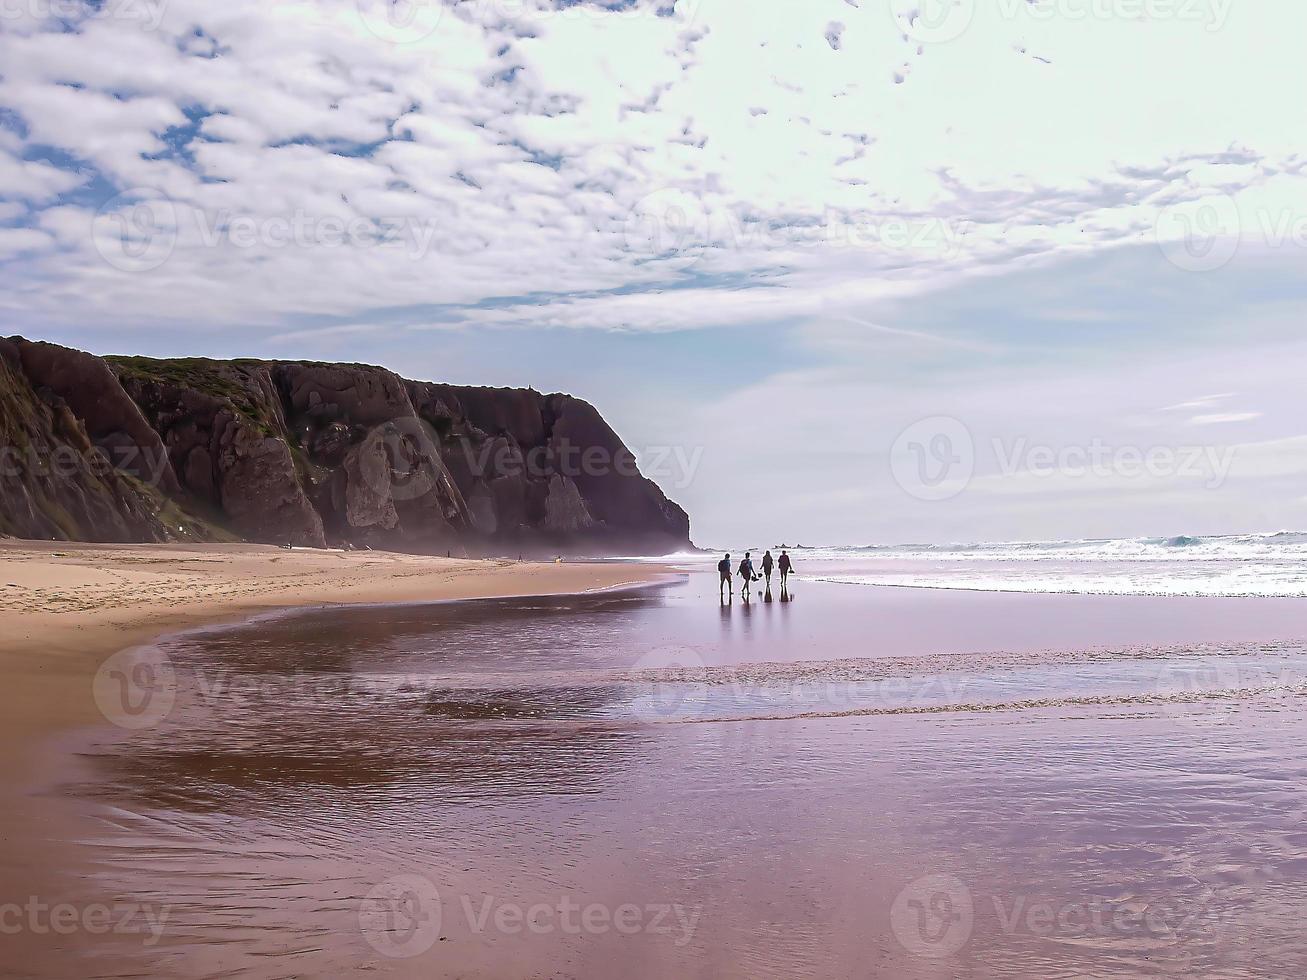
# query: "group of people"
[[749, 576]]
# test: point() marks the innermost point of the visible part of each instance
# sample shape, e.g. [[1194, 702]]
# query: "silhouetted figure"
[[767, 564], [783, 565], [724, 588], [746, 573]]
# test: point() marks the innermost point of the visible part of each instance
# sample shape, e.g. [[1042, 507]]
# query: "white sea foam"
[[1271, 564]]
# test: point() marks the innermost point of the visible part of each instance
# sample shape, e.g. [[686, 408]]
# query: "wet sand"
[[67, 607], [859, 782]]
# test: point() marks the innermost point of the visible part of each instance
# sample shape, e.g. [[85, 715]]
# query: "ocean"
[[837, 781], [1270, 564]]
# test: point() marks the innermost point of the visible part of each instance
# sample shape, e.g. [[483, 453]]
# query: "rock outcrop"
[[312, 454]]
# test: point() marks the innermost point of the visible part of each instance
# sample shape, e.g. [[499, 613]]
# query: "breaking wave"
[[1251, 565]]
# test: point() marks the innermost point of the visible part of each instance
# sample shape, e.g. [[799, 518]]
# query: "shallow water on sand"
[[856, 783]]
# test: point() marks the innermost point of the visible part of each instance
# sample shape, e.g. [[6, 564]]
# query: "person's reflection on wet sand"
[[746, 611], [767, 595]]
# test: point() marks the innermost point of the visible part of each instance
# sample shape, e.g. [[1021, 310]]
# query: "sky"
[[839, 271]]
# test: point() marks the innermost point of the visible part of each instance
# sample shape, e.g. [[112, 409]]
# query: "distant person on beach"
[[724, 572], [767, 563], [784, 566], [746, 573]]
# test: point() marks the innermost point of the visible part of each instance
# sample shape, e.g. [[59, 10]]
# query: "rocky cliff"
[[137, 449]]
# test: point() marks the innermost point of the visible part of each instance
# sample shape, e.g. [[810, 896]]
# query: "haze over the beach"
[[769, 236]]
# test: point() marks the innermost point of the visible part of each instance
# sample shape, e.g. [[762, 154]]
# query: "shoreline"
[[68, 606], [69, 839]]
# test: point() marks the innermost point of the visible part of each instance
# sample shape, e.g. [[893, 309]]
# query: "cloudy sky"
[[839, 270]]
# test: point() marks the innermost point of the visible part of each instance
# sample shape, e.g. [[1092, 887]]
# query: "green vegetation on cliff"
[[212, 378]]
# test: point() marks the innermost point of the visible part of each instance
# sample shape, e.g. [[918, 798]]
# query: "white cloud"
[[16, 240], [344, 330], [1206, 401], [33, 180], [527, 135], [1224, 418]]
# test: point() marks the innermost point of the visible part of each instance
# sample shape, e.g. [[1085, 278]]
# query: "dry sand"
[[66, 607]]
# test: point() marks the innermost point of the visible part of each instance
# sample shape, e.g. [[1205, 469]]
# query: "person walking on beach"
[[767, 564], [724, 574], [746, 573], [784, 566]]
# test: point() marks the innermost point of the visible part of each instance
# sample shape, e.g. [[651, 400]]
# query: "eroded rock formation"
[[312, 454]]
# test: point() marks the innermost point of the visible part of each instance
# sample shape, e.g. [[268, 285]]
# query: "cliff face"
[[311, 454]]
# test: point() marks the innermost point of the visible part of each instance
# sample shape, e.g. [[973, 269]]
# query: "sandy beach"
[[67, 606], [564, 778]]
